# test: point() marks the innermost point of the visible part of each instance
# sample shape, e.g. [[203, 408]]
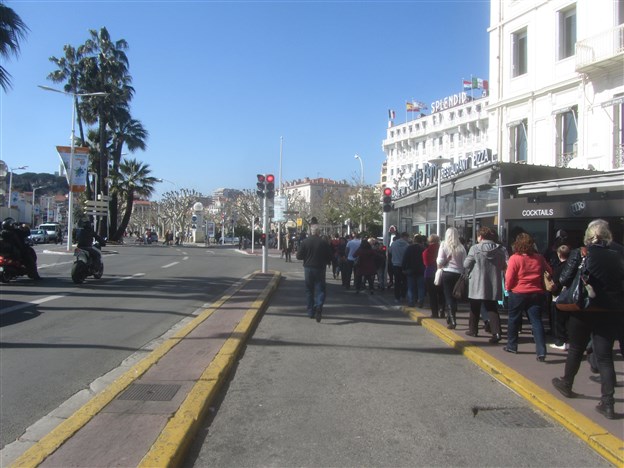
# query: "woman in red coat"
[[366, 267]]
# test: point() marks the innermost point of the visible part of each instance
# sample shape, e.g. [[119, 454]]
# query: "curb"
[[36, 454], [173, 442], [596, 437]]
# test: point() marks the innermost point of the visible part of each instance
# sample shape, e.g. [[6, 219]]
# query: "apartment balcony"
[[564, 159], [600, 52]]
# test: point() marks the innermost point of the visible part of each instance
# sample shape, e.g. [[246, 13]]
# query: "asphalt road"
[[368, 387], [56, 337]]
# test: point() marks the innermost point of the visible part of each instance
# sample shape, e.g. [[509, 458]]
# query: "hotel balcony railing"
[[618, 157], [600, 51], [564, 159]]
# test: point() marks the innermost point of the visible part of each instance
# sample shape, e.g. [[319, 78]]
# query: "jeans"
[[601, 327], [400, 282], [315, 287], [533, 304], [449, 278], [347, 271], [436, 297], [415, 284]]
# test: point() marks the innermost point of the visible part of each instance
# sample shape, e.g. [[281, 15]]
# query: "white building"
[[557, 99], [552, 156], [312, 191], [557, 80]]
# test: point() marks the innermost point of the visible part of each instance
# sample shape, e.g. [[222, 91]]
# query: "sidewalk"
[[149, 416]]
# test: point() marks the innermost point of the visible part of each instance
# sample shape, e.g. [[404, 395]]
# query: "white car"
[[39, 236]]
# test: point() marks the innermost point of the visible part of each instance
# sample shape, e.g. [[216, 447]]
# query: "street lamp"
[[21, 168], [438, 163], [357, 156], [70, 179], [32, 225]]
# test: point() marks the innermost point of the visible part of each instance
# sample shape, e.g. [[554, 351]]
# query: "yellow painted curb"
[[36, 454], [172, 443], [598, 438]]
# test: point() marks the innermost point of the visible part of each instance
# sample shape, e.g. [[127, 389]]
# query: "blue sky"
[[217, 83]]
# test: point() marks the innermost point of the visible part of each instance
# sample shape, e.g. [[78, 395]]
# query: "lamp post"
[[32, 225], [21, 168], [438, 163], [70, 178], [357, 156]]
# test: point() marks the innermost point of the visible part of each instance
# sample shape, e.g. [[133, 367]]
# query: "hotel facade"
[[541, 149]]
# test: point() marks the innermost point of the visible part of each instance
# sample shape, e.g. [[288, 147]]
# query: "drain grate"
[[511, 417], [149, 392]]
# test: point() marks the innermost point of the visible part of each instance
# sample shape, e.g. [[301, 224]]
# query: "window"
[[567, 32], [566, 136], [519, 140], [519, 45]]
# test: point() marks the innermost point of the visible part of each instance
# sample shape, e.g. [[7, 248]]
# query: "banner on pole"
[[78, 180]]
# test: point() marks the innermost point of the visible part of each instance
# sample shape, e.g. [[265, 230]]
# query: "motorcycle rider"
[[84, 239], [14, 240]]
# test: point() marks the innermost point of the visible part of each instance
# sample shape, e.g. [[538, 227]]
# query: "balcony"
[[602, 51], [618, 157]]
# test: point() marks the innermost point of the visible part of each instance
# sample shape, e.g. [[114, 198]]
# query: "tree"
[[133, 179], [12, 31], [176, 208]]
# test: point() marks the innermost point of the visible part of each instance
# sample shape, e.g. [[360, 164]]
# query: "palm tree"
[[12, 31], [130, 132], [133, 179]]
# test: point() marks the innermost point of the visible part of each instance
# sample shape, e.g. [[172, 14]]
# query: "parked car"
[[231, 240], [39, 236]]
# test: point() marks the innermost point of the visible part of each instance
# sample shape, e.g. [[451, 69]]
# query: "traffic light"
[[387, 199], [270, 186], [261, 185], [263, 239]]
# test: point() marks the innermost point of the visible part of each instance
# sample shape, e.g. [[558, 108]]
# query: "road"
[[56, 337]]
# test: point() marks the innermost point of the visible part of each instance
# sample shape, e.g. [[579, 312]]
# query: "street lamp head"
[[439, 161], [357, 156]]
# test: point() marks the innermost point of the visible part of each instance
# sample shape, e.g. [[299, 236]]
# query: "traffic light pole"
[[265, 225]]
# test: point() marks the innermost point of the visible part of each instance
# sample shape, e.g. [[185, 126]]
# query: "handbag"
[[460, 290], [578, 297], [437, 280], [549, 282]]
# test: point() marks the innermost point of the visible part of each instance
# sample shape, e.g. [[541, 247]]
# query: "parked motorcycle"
[[86, 264], [11, 268]]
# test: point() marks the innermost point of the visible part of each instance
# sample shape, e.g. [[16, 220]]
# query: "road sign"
[[97, 205]]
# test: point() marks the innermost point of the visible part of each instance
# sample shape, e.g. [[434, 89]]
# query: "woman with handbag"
[[524, 279], [450, 260], [602, 270], [486, 261]]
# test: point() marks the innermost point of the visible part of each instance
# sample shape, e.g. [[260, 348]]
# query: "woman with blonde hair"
[[604, 272], [524, 281], [450, 259]]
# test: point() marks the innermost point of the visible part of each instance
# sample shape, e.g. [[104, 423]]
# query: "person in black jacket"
[[316, 254], [605, 272], [414, 269], [84, 240]]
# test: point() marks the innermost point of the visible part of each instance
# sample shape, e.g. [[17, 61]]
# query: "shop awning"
[[603, 182]]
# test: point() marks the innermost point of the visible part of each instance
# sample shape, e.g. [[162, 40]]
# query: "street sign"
[[98, 205]]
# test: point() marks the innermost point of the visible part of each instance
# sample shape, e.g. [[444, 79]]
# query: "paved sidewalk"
[[149, 416]]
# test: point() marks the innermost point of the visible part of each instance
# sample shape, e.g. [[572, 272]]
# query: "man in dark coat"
[[316, 254]]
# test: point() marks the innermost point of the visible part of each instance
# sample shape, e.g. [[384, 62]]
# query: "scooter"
[[11, 268], [85, 264]]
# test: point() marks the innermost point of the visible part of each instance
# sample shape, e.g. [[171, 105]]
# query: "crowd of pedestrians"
[[429, 271]]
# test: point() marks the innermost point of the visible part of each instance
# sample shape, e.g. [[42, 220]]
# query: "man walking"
[[316, 254], [350, 249], [397, 250]]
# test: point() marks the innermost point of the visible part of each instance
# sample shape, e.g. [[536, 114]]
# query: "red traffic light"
[[387, 192], [270, 178]]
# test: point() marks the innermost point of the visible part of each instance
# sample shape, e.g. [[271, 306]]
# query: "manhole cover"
[[510, 417], [149, 392]]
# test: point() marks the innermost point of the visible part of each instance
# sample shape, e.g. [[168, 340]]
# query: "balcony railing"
[[598, 51], [618, 157], [565, 158]]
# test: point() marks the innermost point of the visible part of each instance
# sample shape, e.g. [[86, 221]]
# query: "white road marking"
[[118, 280], [169, 265], [30, 303]]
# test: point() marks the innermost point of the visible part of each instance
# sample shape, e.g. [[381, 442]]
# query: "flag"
[[80, 165], [475, 83], [414, 106], [391, 114], [467, 85]]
